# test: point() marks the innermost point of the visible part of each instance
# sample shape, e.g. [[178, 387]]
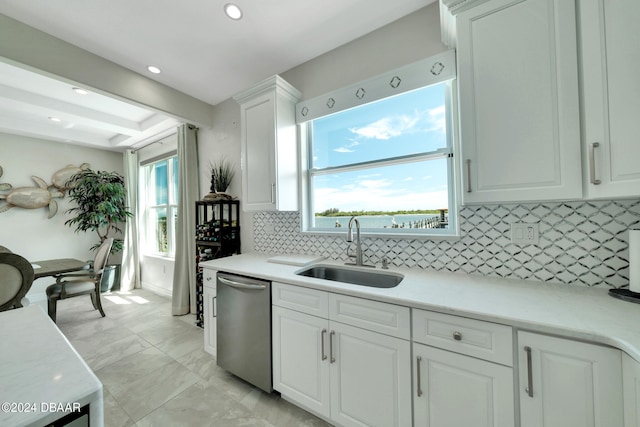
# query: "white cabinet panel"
[[609, 41], [631, 385], [210, 322], [305, 300], [456, 390], [269, 146], [568, 383], [485, 340], [376, 316], [519, 105], [300, 362], [370, 378]]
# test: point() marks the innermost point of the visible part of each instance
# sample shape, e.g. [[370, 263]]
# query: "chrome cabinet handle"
[[322, 335], [209, 278], [419, 384], [468, 163], [239, 285], [529, 388], [273, 192], [213, 306], [592, 163], [457, 336], [331, 334]]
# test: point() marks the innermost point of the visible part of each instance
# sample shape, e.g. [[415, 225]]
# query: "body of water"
[[373, 221]]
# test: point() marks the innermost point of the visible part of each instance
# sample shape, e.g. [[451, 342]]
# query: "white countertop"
[[573, 311], [39, 367]]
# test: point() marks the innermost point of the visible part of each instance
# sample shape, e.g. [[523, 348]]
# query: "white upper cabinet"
[[519, 101], [610, 54], [269, 146]]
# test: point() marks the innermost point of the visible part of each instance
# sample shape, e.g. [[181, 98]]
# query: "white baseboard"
[[157, 289]]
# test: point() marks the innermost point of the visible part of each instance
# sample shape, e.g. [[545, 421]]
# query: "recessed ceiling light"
[[80, 91], [153, 69], [233, 11], [55, 119]]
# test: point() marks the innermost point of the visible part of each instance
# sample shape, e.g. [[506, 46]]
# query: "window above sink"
[[388, 159]]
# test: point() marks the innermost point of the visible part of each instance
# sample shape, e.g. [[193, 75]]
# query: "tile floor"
[[155, 372]]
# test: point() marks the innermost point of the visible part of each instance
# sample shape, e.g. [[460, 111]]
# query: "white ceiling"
[[200, 51]]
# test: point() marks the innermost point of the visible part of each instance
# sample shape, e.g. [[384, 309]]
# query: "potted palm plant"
[[101, 207]]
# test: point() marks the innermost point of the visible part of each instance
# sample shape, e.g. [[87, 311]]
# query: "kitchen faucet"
[[358, 255]]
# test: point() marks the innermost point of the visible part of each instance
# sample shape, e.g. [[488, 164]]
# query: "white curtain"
[[130, 275], [184, 273]]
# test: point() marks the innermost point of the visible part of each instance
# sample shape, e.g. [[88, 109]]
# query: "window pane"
[[174, 181], [159, 183], [158, 230], [174, 219], [410, 123], [383, 197]]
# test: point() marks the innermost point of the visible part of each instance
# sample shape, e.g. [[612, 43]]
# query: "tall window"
[[160, 187], [389, 162]]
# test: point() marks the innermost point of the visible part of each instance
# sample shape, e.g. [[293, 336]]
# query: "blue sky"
[[406, 124]]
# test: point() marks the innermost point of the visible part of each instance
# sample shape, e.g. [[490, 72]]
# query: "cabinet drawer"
[[484, 340], [375, 316], [209, 278], [305, 300]]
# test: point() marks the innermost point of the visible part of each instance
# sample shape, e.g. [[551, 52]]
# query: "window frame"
[[449, 153], [149, 241]]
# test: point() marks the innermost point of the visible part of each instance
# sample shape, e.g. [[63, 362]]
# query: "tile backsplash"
[[579, 242]]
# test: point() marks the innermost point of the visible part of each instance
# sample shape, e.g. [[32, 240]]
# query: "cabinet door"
[[567, 383], [631, 384], [300, 359], [210, 324], [258, 153], [370, 378], [519, 104], [609, 41], [455, 390], [269, 146]]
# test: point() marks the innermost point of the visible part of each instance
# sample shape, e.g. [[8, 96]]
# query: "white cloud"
[[433, 120], [343, 150], [387, 127], [437, 119]]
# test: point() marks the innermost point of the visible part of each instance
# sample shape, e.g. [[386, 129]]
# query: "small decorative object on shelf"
[[222, 173], [217, 235]]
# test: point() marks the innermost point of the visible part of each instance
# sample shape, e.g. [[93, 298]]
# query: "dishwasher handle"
[[239, 285]]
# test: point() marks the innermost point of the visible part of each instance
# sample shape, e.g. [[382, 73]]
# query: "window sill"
[[158, 256], [383, 235]]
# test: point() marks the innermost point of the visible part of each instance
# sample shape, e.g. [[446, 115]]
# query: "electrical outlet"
[[524, 234]]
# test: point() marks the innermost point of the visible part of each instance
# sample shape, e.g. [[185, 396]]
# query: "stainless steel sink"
[[375, 279]]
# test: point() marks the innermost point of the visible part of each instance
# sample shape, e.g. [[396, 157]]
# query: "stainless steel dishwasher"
[[244, 328]]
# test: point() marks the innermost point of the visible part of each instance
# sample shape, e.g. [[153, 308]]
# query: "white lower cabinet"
[[566, 383], [370, 378], [209, 310], [631, 385], [347, 374], [300, 359], [468, 379], [456, 390]]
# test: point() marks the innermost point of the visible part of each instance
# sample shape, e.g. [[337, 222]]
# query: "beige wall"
[[40, 52], [28, 232], [409, 39]]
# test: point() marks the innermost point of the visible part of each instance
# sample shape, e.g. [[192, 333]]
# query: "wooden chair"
[[83, 282], [16, 278]]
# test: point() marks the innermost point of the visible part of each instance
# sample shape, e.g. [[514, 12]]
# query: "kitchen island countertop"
[[572, 311], [42, 377]]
